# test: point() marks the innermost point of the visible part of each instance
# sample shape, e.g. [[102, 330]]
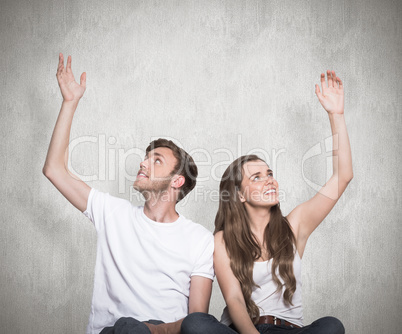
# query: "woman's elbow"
[[345, 179], [349, 176]]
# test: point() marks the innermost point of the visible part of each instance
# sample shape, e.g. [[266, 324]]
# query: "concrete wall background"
[[222, 78]]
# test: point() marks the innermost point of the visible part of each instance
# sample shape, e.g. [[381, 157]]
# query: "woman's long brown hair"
[[241, 244]]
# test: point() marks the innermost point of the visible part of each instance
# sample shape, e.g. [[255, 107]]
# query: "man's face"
[[155, 174]]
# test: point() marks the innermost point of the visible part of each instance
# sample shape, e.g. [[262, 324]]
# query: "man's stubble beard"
[[154, 190]]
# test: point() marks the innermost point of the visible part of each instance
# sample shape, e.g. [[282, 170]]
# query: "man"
[[151, 262]]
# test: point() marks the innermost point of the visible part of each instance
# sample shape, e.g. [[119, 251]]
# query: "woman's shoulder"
[[219, 241], [220, 252], [219, 237], [293, 219]]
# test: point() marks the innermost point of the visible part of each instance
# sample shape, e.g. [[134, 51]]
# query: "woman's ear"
[[178, 181], [241, 197]]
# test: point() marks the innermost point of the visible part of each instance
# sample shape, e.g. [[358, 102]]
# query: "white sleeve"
[[96, 208], [204, 265]]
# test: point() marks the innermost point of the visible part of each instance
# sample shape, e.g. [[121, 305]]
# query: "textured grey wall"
[[222, 78]]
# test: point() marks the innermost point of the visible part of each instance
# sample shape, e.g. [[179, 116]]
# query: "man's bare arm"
[[200, 295], [55, 168]]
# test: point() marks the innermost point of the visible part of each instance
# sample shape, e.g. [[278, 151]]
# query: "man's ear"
[[178, 181]]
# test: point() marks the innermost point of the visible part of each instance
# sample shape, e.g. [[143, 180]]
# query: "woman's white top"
[[268, 300]]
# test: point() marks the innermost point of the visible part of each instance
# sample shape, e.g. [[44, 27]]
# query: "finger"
[[61, 60], [323, 84], [340, 83], [83, 80], [329, 77], [68, 67], [335, 82], [60, 66], [318, 92]]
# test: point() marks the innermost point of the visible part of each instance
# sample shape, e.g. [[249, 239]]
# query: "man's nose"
[[143, 164]]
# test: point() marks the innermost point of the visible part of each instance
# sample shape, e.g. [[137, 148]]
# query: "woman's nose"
[[269, 180]]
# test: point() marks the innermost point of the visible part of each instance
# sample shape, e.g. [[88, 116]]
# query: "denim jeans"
[[130, 326], [197, 323], [200, 323]]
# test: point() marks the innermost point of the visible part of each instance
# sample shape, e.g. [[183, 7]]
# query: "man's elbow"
[[50, 171], [46, 170]]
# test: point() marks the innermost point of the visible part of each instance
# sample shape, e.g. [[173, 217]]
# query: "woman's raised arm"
[[306, 217]]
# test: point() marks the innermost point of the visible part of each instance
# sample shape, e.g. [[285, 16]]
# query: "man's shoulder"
[[112, 203], [111, 198], [196, 229]]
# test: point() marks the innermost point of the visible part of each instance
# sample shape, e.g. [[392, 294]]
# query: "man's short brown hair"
[[185, 165]]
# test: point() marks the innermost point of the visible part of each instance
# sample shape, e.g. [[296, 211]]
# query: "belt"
[[269, 319]]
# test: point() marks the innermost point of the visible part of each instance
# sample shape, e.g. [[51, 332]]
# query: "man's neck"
[[161, 212]]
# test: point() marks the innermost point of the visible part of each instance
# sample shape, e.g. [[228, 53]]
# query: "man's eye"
[[257, 178], [157, 161]]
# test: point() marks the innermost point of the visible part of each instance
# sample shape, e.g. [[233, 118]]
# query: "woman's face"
[[258, 186]]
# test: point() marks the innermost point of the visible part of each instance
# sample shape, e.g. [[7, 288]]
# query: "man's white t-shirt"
[[143, 268]]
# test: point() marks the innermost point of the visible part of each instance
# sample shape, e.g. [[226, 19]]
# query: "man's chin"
[[144, 192], [140, 189], [138, 186]]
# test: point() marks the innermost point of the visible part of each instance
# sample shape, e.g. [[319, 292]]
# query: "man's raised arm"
[[55, 168]]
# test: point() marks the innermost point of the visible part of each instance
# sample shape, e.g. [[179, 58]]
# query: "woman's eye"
[[157, 161], [257, 178]]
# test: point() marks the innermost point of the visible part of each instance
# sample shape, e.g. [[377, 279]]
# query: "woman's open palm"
[[331, 97], [70, 89]]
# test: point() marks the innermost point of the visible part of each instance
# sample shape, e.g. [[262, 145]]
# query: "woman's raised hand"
[[331, 97], [70, 89]]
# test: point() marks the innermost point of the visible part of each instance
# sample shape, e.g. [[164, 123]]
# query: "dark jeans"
[[201, 323], [130, 326]]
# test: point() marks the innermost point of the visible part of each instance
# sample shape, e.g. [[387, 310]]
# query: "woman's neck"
[[259, 219]]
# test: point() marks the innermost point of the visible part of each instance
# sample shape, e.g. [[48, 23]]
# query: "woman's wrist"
[[70, 103], [337, 115]]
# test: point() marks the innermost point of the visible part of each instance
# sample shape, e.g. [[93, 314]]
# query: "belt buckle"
[[275, 319]]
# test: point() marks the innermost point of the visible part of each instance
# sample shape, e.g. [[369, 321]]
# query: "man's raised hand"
[[70, 89]]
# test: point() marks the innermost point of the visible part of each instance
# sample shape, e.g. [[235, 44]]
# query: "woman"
[[258, 251]]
